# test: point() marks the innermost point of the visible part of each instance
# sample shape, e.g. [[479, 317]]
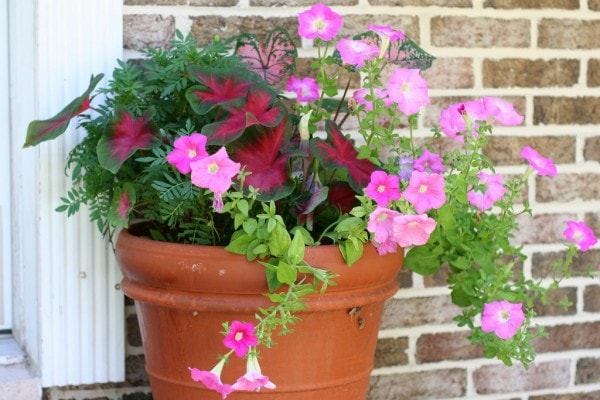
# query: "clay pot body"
[[183, 294]]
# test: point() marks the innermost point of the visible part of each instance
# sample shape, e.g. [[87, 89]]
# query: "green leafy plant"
[[201, 146]]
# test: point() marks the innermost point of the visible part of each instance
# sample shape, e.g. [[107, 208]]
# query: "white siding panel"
[[81, 311], [5, 247]]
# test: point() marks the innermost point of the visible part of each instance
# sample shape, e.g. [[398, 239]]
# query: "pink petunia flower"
[[306, 89], [579, 233], [503, 318], [386, 31], [425, 191], [386, 34], [494, 190], [356, 52], [429, 162], [240, 338], [212, 379], [383, 188], [319, 21], [187, 149], [502, 111], [361, 94], [408, 90], [413, 230], [452, 122], [543, 166], [253, 379], [381, 223], [215, 173]]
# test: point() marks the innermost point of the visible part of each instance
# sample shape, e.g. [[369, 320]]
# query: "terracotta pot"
[[183, 293]]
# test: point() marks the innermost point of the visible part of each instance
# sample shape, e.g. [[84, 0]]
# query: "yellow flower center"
[[192, 153], [381, 188], [422, 188], [504, 315], [320, 24], [405, 87], [239, 336], [213, 168]]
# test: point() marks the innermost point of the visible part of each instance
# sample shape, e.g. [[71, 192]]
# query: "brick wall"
[[544, 55]]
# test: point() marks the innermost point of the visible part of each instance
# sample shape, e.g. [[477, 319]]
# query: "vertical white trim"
[[5, 247], [73, 317]]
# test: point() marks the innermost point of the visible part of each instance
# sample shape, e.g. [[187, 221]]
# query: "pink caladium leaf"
[[261, 154], [274, 61], [42, 130], [259, 109], [126, 136], [122, 204], [338, 152]]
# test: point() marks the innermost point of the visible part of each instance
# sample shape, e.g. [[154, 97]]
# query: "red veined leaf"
[[122, 204], [126, 136], [259, 151], [258, 110], [42, 130], [342, 196], [218, 87], [338, 152], [275, 61]]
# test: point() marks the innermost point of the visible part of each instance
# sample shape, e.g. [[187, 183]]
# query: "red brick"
[[401, 313], [542, 263], [297, 3], [568, 187], [588, 371], [423, 3], [458, 31], [569, 337], [143, 31], [542, 228], [438, 347], [510, 4], [553, 306], [502, 379], [593, 72], [155, 2], [214, 3], [591, 299], [436, 384], [569, 34], [569, 396], [355, 24], [505, 150], [566, 110], [391, 351], [519, 72], [450, 73], [591, 151], [205, 28]]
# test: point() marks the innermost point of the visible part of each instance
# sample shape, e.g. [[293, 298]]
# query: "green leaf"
[[250, 226], [295, 252], [460, 297], [424, 260], [240, 244], [279, 241], [351, 251], [286, 273]]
